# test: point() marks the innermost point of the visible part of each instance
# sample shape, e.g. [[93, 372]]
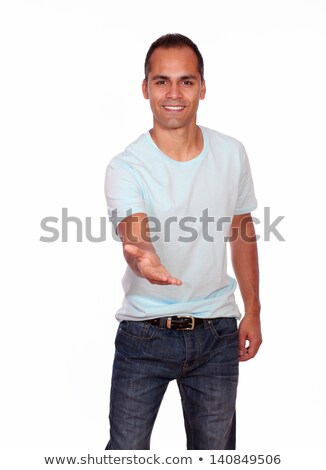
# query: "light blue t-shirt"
[[190, 206]]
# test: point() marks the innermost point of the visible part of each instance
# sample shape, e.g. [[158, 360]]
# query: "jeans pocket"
[[138, 329], [224, 327]]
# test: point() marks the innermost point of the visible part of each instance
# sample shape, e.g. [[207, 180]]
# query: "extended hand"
[[149, 265], [249, 330]]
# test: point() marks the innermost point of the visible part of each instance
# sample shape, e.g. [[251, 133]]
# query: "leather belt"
[[185, 322]]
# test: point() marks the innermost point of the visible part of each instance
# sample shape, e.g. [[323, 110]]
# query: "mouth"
[[173, 107]]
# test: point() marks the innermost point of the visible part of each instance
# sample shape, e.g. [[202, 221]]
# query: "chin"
[[172, 124]]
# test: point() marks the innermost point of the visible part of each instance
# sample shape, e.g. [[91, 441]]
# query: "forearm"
[[244, 257], [245, 264]]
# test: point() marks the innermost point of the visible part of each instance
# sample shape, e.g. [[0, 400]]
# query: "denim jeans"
[[204, 361]]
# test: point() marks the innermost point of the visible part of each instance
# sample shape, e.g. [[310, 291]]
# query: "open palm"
[[150, 266]]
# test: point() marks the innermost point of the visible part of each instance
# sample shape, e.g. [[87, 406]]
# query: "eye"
[[187, 82], [160, 82]]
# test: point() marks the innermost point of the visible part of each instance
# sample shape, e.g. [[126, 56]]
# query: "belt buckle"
[[192, 326]]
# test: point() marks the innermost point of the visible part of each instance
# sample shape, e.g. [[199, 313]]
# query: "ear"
[[144, 89], [202, 90]]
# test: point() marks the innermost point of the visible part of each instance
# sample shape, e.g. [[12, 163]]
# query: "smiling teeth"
[[173, 107]]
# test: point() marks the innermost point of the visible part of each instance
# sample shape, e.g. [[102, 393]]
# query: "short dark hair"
[[174, 40]]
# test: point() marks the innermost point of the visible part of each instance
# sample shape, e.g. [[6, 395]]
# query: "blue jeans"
[[205, 364]]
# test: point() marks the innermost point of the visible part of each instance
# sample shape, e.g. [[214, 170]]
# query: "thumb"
[[133, 250], [242, 341]]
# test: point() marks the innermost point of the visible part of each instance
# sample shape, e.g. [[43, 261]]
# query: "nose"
[[174, 91]]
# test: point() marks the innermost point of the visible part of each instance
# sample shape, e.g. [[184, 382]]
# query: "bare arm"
[[139, 252], [245, 264]]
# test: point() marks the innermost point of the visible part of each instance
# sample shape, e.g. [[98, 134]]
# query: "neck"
[[179, 144]]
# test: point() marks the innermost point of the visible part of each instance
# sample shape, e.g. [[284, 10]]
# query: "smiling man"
[[179, 319]]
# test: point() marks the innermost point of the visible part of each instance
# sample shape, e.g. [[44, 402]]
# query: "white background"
[[70, 101]]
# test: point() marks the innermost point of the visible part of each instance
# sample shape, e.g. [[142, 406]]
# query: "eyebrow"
[[165, 77]]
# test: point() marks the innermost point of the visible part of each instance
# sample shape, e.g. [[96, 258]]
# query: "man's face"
[[174, 87]]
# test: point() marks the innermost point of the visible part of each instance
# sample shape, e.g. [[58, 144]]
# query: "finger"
[[242, 343], [166, 276], [172, 279], [159, 275], [175, 281], [169, 281], [160, 283], [246, 355], [154, 276], [253, 348], [250, 351]]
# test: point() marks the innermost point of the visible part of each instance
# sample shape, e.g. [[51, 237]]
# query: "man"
[[176, 195]]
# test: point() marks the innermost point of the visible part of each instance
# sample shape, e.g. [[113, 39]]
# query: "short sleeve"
[[123, 192], [246, 201]]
